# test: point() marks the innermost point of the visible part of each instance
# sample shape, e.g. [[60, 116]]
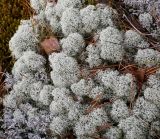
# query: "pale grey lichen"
[[148, 11], [10, 100], [98, 117], [23, 86], [45, 94], [147, 58], [23, 124], [70, 3], [9, 81], [38, 121], [155, 129], [50, 11], [38, 5], [63, 96], [145, 5], [35, 90], [123, 86], [133, 40], [153, 80], [146, 20], [135, 133], [87, 124], [73, 44], [98, 91], [59, 9], [62, 5], [83, 87], [30, 64], [84, 137], [90, 18], [113, 133], [52, 17], [119, 110], [19, 116], [107, 15], [77, 94], [133, 128], [24, 39], [20, 93], [146, 110], [153, 94], [109, 78], [55, 25], [38, 21], [57, 108], [71, 21], [65, 70], [112, 35], [75, 112], [59, 125], [25, 90], [93, 55], [84, 127], [111, 41]]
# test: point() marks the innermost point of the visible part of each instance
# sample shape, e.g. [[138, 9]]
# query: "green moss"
[[12, 11]]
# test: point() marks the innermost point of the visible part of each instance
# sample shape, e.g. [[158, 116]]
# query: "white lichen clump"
[[24, 39], [122, 86], [113, 133], [108, 16], [119, 110], [45, 94], [148, 58], [65, 70], [134, 40], [73, 44], [86, 89], [146, 20], [133, 128], [87, 124], [62, 5], [71, 21], [93, 58], [38, 5], [111, 41], [83, 87], [147, 10], [30, 65], [90, 18], [153, 94], [146, 110]]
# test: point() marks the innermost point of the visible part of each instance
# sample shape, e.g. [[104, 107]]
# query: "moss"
[[12, 12], [90, 1]]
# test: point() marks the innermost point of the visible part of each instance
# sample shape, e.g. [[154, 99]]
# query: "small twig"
[[152, 70], [103, 67], [125, 67], [135, 27]]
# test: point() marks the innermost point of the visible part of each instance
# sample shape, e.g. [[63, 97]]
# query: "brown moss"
[[12, 12]]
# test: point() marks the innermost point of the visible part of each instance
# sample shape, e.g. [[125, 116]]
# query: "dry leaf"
[[50, 45], [140, 75]]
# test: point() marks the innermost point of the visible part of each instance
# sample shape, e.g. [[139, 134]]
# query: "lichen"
[[87, 87]]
